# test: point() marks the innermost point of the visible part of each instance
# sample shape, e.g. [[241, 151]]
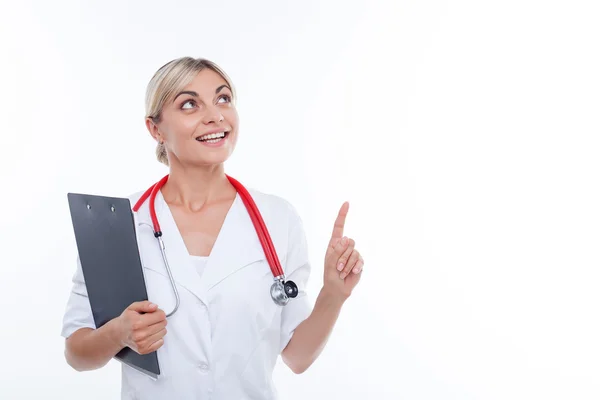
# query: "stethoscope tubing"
[[168, 268], [259, 225], [264, 238]]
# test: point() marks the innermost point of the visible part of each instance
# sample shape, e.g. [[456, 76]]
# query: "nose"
[[213, 114]]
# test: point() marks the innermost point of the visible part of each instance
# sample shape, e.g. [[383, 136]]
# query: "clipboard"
[[108, 250]]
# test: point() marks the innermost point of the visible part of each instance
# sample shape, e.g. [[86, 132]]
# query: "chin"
[[214, 160]]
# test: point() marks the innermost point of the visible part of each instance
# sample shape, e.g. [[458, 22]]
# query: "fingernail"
[[342, 275], [340, 266], [344, 240], [355, 270]]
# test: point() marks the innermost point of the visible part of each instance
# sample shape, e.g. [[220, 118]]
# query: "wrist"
[[115, 332], [332, 297]]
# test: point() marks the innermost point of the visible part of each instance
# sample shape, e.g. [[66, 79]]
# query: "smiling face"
[[203, 107]]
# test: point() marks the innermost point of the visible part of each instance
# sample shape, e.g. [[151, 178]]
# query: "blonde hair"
[[168, 81]]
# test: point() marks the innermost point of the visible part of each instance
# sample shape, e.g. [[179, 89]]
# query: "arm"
[[88, 349], [342, 270], [141, 327], [311, 335]]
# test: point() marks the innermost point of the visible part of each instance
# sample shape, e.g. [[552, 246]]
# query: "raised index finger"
[[340, 221]]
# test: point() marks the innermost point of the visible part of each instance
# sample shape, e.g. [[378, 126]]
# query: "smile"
[[213, 137]]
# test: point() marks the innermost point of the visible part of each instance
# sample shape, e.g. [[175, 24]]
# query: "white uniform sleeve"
[[78, 313], [297, 268]]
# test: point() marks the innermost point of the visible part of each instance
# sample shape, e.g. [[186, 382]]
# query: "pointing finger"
[[340, 221]]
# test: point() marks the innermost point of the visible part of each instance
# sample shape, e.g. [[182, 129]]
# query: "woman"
[[224, 339]]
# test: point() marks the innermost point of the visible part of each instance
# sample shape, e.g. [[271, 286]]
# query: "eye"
[[183, 106], [227, 97]]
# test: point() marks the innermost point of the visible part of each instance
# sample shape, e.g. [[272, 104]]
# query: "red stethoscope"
[[281, 290]]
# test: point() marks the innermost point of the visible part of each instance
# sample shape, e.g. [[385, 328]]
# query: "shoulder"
[[283, 221], [274, 205], [134, 197]]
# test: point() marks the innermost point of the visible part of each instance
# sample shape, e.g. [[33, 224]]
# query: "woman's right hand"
[[142, 327]]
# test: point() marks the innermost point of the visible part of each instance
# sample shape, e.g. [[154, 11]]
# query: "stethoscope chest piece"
[[291, 290], [282, 292]]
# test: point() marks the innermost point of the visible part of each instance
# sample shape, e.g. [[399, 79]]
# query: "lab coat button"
[[203, 367]]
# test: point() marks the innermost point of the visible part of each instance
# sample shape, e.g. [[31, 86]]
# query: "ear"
[[154, 131]]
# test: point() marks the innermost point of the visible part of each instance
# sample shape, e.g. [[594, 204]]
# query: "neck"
[[195, 187]]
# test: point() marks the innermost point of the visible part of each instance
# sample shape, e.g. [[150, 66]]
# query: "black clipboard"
[[108, 250]]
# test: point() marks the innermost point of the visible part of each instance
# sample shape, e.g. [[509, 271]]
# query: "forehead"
[[205, 82]]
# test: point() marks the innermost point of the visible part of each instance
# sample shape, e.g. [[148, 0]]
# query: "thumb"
[[143, 306]]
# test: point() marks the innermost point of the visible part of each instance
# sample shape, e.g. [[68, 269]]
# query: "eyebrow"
[[221, 87], [194, 94]]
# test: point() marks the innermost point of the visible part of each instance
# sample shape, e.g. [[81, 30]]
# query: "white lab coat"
[[224, 340]]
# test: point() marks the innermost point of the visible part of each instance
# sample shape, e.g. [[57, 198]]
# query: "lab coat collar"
[[237, 245]]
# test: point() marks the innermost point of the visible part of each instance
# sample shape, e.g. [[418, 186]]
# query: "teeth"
[[218, 135]]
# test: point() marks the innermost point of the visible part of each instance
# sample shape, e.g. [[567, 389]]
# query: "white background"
[[463, 133]]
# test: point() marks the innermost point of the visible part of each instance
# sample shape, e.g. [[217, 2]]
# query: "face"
[[203, 107]]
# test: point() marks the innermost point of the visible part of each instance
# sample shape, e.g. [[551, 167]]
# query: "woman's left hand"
[[343, 263]]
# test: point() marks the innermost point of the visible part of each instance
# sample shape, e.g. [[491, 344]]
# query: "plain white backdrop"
[[464, 134]]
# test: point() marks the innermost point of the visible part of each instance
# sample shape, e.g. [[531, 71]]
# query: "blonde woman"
[[224, 339]]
